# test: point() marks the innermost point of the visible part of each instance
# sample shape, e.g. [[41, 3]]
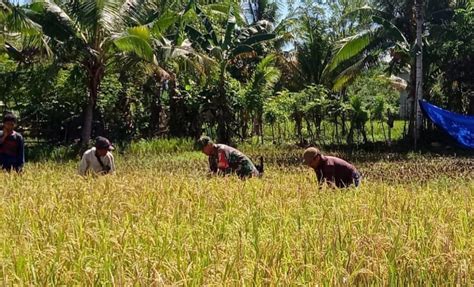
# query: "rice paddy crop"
[[162, 221]]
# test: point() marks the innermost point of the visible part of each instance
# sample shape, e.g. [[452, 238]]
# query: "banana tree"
[[225, 47]]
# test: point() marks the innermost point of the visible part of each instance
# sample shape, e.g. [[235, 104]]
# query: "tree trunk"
[[372, 130], [390, 124], [411, 102], [223, 115], [383, 131], [350, 136], [273, 132], [364, 134], [88, 117], [419, 69], [337, 139], [245, 123], [343, 126], [95, 74], [176, 124], [155, 110], [123, 105], [255, 128], [310, 130], [279, 132], [317, 122], [389, 136], [299, 127]]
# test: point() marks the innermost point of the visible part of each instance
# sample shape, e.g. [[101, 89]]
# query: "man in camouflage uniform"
[[224, 159]]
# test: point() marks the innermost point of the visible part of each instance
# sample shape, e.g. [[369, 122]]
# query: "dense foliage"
[[231, 69]]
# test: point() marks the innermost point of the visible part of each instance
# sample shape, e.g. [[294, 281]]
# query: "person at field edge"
[[12, 145], [224, 159], [98, 159], [330, 169]]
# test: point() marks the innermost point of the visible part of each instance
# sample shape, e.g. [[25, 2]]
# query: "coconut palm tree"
[[225, 46], [88, 32], [419, 69], [388, 30]]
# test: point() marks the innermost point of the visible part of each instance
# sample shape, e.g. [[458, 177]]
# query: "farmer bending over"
[[224, 159], [12, 145], [333, 170], [98, 159]]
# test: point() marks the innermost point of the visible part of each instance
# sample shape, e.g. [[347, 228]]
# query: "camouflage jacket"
[[230, 160]]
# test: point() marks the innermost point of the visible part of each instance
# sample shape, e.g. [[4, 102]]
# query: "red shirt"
[[335, 170]]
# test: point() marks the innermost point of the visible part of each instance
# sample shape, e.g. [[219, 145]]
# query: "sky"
[[283, 9]]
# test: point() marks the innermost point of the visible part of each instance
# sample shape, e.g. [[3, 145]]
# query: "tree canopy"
[[310, 71]]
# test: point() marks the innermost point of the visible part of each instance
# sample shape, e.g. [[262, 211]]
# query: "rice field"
[[162, 221]]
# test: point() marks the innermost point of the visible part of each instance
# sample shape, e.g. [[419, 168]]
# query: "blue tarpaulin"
[[460, 127]]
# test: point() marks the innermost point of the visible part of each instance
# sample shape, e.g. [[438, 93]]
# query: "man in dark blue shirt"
[[12, 145]]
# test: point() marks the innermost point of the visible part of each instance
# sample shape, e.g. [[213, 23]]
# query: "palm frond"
[[166, 20], [97, 17], [353, 71], [229, 31], [136, 40], [266, 62], [56, 23], [365, 12], [16, 20], [353, 45], [258, 39], [392, 31], [138, 12], [208, 25]]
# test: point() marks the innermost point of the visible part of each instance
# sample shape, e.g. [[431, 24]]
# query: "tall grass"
[[161, 146], [162, 221]]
